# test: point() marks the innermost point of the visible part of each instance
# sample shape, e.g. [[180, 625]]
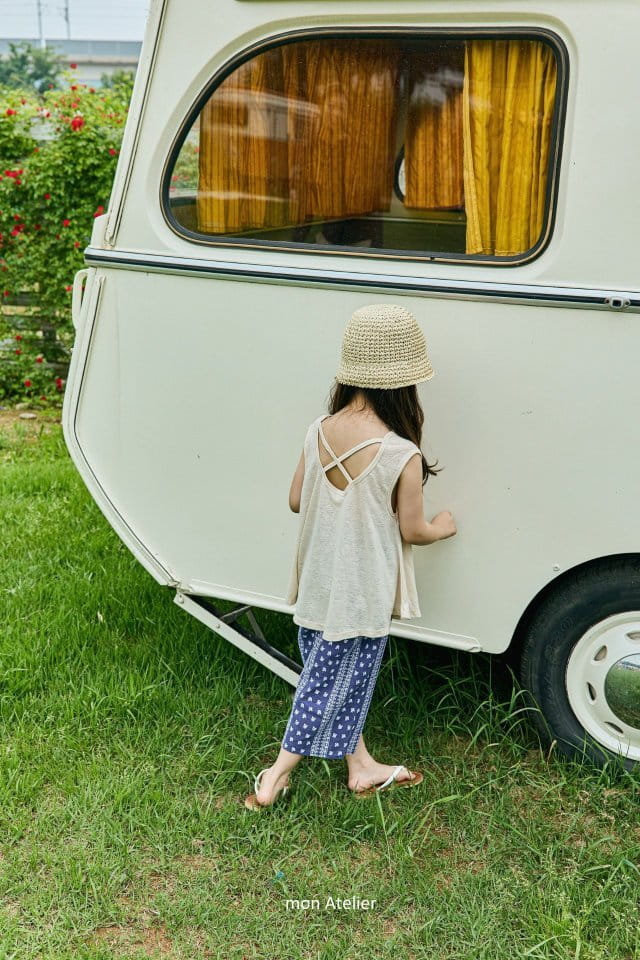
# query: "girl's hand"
[[445, 524]]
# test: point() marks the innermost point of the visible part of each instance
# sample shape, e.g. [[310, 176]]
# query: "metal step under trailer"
[[252, 643]]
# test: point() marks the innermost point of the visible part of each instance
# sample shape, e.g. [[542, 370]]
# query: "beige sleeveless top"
[[352, 569]]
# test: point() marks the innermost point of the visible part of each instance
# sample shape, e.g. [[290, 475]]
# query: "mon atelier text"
[[353, 903]]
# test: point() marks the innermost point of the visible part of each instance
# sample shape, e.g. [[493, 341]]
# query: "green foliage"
[[184, 179], [58, 153], [120, 81], [29, 67]]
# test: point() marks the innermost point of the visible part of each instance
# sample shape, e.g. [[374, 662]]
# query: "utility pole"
[[66, 18], [40, 30]]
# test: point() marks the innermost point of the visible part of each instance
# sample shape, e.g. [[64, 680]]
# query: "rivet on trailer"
[[284, 163]]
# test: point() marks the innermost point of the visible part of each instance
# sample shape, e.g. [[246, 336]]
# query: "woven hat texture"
[[383, 347]]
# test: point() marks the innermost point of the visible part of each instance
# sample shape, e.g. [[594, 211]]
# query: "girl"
[[358, 489]]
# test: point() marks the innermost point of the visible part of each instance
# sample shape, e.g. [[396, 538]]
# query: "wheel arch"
[[512, 653]]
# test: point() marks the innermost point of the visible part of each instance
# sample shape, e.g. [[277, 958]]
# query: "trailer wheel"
[[580, 664]]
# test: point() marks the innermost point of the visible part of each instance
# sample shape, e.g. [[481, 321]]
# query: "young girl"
[[358, 489]]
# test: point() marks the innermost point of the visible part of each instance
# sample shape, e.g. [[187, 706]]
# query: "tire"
[[580, 664]]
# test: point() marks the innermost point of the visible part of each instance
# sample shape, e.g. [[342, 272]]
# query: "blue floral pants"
[[333, 695]]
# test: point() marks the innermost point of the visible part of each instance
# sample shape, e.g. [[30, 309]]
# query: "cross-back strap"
[[337, 460]]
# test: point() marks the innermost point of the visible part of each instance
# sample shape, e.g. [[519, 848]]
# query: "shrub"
[[58, 153]]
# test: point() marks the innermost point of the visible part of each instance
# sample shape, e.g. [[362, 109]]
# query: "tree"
[[31, 67], [120, 81]]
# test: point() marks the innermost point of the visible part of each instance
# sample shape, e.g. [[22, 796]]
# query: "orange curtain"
[[433, 151], [303, 131], [508, 99], [350, 138], [243, 163]]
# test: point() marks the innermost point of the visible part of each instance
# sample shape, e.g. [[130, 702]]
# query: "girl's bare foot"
[[271, 783], [372, 774]]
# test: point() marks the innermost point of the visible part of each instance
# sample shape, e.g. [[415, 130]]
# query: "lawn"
[[130, 734]]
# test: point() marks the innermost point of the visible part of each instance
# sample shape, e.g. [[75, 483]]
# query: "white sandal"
[[391, 783]]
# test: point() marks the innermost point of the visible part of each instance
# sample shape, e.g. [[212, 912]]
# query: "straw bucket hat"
[[384, 347]]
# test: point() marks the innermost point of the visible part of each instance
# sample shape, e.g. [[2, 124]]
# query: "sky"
[[89, 19]]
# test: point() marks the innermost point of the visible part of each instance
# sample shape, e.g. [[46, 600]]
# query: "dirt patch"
[[149, 942], [11, 415]]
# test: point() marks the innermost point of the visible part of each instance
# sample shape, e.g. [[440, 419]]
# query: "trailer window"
[[419, 146]]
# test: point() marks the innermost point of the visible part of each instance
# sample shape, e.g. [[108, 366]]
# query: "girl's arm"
[[413, 526], [296, 486]]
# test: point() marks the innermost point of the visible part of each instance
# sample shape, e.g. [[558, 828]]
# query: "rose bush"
[[58, 153]]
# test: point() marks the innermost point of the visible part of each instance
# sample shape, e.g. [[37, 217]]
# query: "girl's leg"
[[277, 776], [364, 771]]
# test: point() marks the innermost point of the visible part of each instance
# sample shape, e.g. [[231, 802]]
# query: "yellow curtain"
[[302, 131], [433, 155], [507, 106]]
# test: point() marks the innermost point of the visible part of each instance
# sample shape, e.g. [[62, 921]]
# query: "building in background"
[[92, 57]]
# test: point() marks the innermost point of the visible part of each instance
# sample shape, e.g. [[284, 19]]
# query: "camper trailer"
[[284, 163]]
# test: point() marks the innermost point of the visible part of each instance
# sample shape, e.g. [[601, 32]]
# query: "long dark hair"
[[400, 409]]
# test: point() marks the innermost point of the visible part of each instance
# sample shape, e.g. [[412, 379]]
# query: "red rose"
[[73, 87], [18, 335], [66, 223], [16, 216], [27, 383], [99, 210], [43, 398], [112, 151], [47, 196], [58, 382], [76, 243], [17, 351], [10, 112], [68, 287], [77, 122], [15, 232], [39, 359], [73, 65]]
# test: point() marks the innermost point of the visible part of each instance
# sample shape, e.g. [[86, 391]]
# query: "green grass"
[[130, 734]]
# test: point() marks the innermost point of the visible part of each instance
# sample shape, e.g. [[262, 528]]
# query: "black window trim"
[[465, 33]]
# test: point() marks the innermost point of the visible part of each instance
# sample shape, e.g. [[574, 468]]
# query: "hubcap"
[[603, 683]]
